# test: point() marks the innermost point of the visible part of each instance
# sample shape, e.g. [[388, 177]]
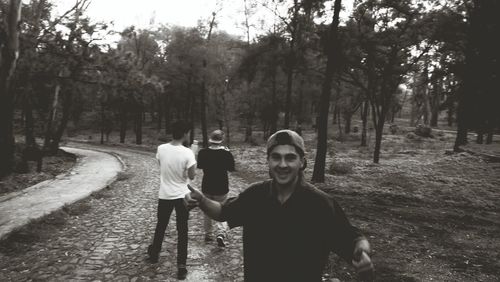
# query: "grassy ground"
[[430, 216]]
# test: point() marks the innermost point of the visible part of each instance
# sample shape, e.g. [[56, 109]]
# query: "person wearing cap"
[[177, 168], [289, 226], [216, 161]]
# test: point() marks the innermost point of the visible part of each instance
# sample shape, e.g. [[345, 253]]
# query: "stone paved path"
[[94, 171], [109, 241]]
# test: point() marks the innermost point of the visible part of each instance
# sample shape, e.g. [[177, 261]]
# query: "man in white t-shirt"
[[177, 167]]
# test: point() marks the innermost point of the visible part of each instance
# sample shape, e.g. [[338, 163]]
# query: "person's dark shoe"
[[182, 273], [153, 257], [220, 241]]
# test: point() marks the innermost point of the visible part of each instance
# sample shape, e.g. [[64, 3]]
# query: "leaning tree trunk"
[[322, 124], [9, 53]]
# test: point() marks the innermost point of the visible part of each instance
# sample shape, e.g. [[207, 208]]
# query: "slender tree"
[[9, 53], [332, 53]]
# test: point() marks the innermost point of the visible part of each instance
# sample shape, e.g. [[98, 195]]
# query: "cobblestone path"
[[108, 242]]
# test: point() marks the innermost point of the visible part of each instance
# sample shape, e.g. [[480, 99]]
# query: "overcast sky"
[[176, 12], [140, 13]]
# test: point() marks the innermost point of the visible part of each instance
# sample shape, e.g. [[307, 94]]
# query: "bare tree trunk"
[[462, 123], [138, 125], [203, 113], [427, 107], [29, 126], [489, 137], [9, 53], [123, 124], [274, 120], [300, 105], [291, 62], [66, 110], [480, 136], [335, 113], [322, 125], [203, 104], [288, 101], [191, 119], [434, 117], [347, 119], [160, 105], [413, 111], [249, 117], [364, 120], [103, 118], [52, 114], [378, 140], [225, 114], [166, 114]]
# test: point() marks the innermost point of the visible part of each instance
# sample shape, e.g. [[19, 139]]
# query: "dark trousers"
[[165, 208]]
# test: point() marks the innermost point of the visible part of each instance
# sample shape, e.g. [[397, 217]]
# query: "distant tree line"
[[310, 67]]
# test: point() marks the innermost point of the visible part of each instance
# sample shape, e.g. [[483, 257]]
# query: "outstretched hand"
[[362, 261], [193, 198]]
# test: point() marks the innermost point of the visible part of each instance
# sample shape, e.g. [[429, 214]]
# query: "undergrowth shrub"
[[340, 168]]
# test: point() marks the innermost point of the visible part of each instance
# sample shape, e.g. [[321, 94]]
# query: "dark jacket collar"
[[299, 187]]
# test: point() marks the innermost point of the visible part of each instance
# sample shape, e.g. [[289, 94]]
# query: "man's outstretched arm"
[[209, 207], [362, 261]]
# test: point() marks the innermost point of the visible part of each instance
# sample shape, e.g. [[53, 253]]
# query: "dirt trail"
[[105, 237]]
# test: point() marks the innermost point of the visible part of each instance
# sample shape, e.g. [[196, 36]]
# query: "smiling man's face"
[[285, 164]]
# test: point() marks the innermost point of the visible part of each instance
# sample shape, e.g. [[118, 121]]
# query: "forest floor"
[[51, 167], [430, 215]]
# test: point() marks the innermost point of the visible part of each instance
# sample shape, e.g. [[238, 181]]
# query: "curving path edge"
[[92, 172]]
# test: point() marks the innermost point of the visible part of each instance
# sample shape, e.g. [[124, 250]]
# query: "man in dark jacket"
[[289, 226]]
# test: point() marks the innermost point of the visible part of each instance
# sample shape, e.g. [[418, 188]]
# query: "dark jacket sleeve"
[[345, 235], [238, 210], [201, 159], [230, 162]]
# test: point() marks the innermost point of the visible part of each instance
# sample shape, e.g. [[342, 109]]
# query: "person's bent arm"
[[209, 207], [192, 172]]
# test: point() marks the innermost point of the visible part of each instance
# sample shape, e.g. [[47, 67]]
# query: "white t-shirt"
[[175, 160]]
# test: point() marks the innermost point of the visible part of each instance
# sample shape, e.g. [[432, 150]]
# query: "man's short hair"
[[179, 128]]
